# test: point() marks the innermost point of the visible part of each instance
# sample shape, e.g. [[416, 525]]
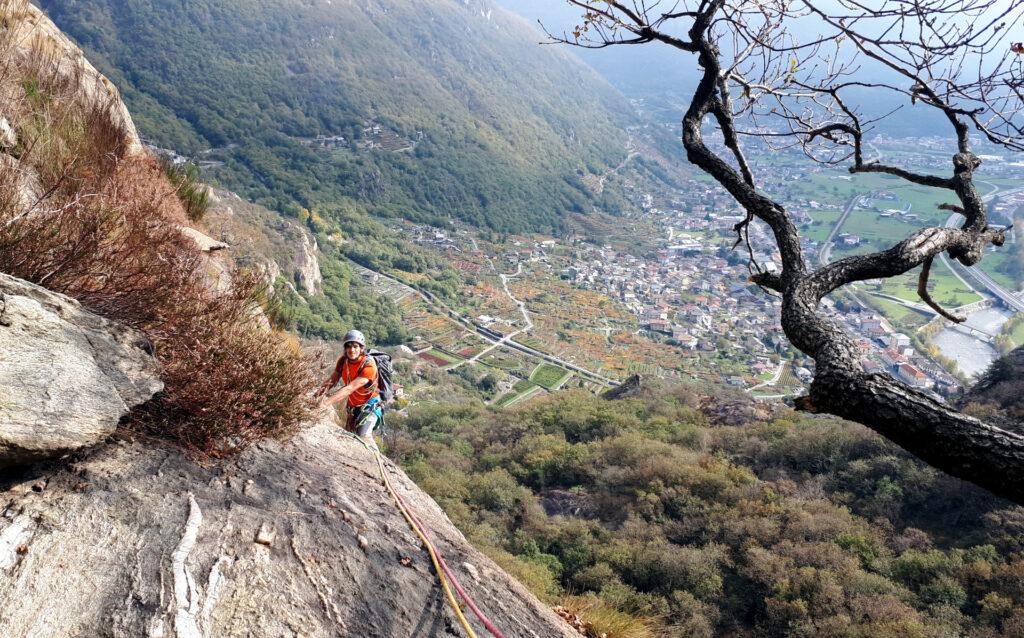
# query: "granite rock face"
[[260, 237], [8, 138], [288, 539], [307, 265], [34, 35], [67, 376]]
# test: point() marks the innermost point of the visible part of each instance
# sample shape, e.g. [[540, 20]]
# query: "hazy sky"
[[659, 71]]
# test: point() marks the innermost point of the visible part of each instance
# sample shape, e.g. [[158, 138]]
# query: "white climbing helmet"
[[355, 335]]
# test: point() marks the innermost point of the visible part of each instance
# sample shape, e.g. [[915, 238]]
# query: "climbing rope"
[[451, 576], [444, 573]]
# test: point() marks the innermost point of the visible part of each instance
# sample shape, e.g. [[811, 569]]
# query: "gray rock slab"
[[136, 539], [67, 376]]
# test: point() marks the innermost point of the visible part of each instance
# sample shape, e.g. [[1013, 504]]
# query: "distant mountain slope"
[[501, 129], [638, 71]]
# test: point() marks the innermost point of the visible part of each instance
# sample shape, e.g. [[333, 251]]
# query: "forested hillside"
[[446, 108], [693, 512]]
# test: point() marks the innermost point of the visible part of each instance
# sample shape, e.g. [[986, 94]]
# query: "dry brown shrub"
[[79, 216], [597, 618], [230, 380], [114, 245]]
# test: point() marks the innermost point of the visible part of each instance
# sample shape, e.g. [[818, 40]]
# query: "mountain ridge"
[[444, 77]]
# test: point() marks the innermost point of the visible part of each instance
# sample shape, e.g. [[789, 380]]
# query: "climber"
[[358, 372]]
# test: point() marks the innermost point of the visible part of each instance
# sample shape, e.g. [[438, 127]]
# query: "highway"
[[826, 248], [1009, 299], [1004, 295]]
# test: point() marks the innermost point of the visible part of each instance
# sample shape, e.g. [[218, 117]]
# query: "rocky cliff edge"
[[289, 539], [30, 33]]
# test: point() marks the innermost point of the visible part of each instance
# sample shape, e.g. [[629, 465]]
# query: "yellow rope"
[[430, 548]]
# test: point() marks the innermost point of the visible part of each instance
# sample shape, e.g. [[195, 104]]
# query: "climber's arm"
[[344, 393]]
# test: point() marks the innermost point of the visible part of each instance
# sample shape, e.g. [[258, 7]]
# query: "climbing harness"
[[373, 406], [444, 573]]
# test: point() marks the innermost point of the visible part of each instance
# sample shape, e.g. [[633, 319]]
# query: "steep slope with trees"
[[489, 120], [663, 514]]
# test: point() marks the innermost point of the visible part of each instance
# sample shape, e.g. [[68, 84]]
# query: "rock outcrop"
[[203, 242], [32, 34], [24, 187], [67, 376], [27, 34], [262, 238], [293, 539], [307, 266], [8, 138]]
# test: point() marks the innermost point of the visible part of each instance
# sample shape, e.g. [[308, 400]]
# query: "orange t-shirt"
[[348, 373]]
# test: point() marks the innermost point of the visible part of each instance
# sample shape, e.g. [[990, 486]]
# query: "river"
[[971, 354]]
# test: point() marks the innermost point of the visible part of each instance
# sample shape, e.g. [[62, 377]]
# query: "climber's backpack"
[[385, 372]]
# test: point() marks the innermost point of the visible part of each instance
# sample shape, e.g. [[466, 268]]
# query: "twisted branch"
[[780, 79]]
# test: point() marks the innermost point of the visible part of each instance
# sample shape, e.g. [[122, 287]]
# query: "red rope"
[[448, 572]]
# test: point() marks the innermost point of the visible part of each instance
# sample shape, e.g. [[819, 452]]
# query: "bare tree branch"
[[922, 291], [934, 54]]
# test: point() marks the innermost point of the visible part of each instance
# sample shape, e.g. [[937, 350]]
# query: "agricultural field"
[[423, 322], [646, 369], [821, 226], [925, 202], [486, 297], [531, 341], [788, 378], [901, 317], [508, 361], [877, 233], [520, 392], [550, 377], [469, 351], [439, 357], [395, 291], [944, 287], [837, 187]]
